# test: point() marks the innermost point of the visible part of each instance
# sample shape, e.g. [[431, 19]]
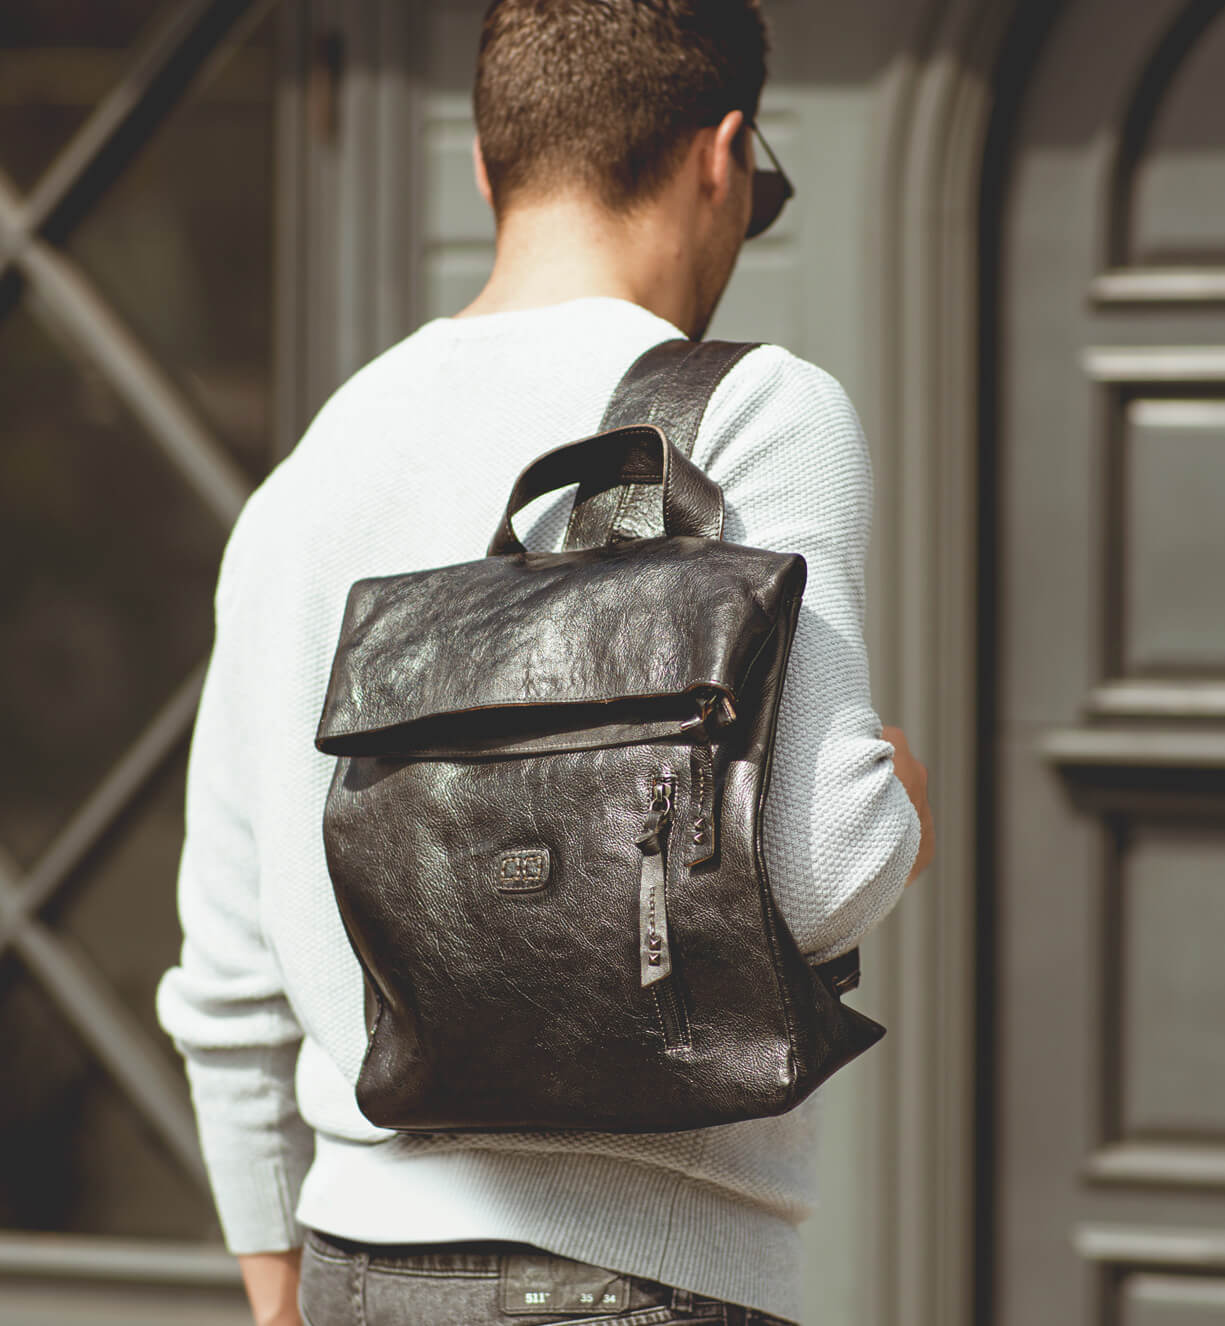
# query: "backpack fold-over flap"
[[548, 651]]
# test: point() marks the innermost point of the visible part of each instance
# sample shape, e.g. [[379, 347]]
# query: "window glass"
[[58, 58]]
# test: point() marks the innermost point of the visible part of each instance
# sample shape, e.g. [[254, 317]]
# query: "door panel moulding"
[[1139, 771], [1164, 1164], [1134, 747], [1173, 413], [1155, 363], [1128, 144], [1159, 697], [1186, 1249], [1175, 1291], [1160, 285]]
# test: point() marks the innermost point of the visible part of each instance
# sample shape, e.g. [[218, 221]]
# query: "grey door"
[[1109, 722]]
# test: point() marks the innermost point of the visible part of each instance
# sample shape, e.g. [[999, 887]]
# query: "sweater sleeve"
[[840, 833], [224, 1004]]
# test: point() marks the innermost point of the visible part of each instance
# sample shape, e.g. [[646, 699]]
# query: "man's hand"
[[913, 777], [271, 1279]]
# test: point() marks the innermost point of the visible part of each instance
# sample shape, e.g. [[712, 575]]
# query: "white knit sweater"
[[408, 466]]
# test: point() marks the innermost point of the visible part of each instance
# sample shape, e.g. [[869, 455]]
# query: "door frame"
[[350, 146], [924, 1215]]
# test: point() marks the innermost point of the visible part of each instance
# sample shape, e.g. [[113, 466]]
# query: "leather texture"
[[522, 672], [543, 828]]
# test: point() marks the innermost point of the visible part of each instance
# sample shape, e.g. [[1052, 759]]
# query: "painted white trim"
[[1167, 1164], [1132, 747], [1192, 415], [1143, 697], [1160, 285], [1155, 363], [1175, 1290], [1191, 1249], [927, 162]]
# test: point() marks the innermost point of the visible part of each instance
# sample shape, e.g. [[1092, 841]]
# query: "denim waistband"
[[471, 1256], [482, 1258]]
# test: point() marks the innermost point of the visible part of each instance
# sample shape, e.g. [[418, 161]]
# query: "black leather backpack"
[[544, 827]]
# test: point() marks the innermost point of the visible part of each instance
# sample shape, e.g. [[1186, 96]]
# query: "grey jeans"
[[488, 1284]]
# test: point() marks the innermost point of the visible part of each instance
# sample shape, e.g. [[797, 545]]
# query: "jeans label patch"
[[540, 1284]]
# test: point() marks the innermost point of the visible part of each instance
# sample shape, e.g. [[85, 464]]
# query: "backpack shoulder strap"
[[670, 386]]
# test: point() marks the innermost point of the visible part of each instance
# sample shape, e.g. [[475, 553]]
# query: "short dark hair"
[[607, 94]]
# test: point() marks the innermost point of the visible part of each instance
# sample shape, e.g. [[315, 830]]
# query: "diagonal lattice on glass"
[[135, 380]]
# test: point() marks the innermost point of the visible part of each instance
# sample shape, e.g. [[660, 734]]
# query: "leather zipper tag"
[[654, 954], [540, 1284]]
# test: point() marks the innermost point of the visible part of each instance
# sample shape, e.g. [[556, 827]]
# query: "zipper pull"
[[654, 955], [715, 710]]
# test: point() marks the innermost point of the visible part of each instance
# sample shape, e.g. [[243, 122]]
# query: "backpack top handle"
[[687, 503]]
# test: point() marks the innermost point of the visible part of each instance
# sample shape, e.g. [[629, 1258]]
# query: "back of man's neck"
[[550, 255]]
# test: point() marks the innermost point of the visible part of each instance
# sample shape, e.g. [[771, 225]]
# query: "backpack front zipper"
[[654, 955]]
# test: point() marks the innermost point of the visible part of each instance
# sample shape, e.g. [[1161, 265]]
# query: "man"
[[615, 147]]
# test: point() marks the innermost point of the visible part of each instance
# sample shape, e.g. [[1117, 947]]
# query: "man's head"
[[606, 94], [632, 106]]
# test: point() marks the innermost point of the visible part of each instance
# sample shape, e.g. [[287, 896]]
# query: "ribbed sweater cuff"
[[256, 1199], [256, 1146]]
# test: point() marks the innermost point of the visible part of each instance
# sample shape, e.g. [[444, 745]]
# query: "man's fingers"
[[912, 774]]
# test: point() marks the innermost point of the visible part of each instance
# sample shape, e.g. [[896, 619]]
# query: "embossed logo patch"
[[540, 1283], [523, 869]]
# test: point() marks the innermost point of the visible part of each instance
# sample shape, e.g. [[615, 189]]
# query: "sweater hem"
[[626, 1216]]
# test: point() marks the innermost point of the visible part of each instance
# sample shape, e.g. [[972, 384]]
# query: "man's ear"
[[721, 160], [478, 169]]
